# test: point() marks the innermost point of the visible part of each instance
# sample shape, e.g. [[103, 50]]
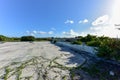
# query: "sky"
[[59, 18]]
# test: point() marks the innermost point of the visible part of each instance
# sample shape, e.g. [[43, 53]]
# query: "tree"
[[2, 38], [88, 38], [27, 38]]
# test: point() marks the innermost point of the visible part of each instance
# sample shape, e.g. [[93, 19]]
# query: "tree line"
[[23, 38]]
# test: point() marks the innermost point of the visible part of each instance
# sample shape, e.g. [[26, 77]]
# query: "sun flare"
[[116, 13]]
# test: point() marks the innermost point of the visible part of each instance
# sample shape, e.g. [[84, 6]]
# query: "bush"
[[27, 38], [2, 38], [88, 38], [43, 39], [94, 43], [109, 49], [77, 42]]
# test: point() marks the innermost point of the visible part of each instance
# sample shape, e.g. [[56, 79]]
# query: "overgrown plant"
[[109, 49]]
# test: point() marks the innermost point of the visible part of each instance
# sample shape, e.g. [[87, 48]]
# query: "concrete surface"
[[21, 51]]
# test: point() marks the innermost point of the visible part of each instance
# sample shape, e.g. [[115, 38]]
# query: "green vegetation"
[[42, 39], [93, 43], [77, 42], [108, 48], [2, 38], [101, 71], [27, 38], [23, 38], [90, 40]]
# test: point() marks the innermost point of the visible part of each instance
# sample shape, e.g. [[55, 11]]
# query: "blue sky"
[[47, 18]]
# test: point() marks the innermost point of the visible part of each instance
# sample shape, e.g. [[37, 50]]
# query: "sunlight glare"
[[116, 13]]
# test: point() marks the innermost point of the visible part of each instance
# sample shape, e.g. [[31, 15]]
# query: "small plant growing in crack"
[[39, 68]]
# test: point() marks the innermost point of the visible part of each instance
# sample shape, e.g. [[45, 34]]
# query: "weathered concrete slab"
[[22, 51]]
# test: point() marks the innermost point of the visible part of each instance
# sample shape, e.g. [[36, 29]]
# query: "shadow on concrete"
[[74, 58]]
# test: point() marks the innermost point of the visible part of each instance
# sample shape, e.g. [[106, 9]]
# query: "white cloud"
[[83, 34], [69, 21], [101, 20], [50, 32], [30, 33], [83, 21], [35, 32], [71, 33], [97, 28], [42, 32], [115, 12], [110, 31], [102, 26]]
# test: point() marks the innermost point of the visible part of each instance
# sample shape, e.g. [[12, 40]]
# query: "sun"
[[116, 13]]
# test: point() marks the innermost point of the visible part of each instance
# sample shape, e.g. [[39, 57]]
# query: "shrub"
[[109, 49], [94, 43], [2, 38], [88, 38], [77, 42], [43, 39], [27, 38]]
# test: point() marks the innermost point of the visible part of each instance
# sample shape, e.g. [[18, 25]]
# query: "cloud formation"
[[102, 26], [30, 33], [50, 32], [33, 33], [69, 22], [83, 21], [41, 32], [71, 33], [100, 20]]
